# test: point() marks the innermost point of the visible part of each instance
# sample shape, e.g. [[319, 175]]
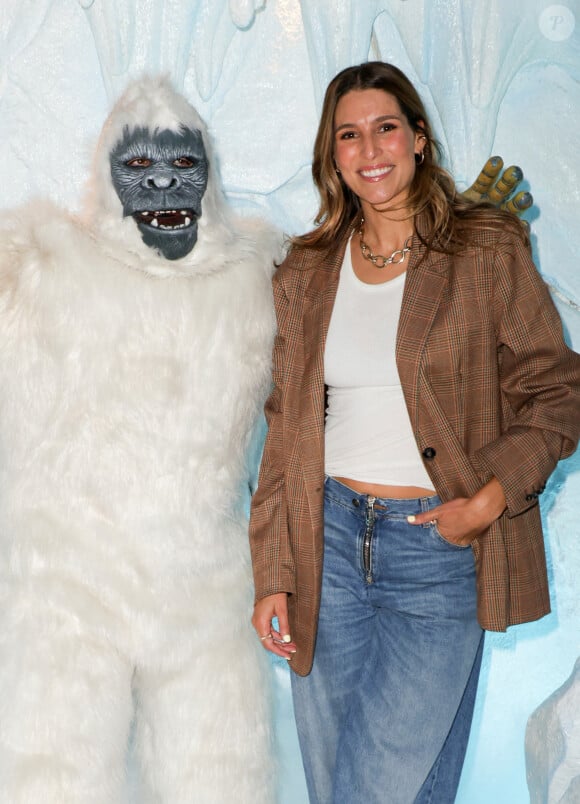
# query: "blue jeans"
[[384, 716]]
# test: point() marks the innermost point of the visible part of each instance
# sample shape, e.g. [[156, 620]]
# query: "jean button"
[[356, 502]]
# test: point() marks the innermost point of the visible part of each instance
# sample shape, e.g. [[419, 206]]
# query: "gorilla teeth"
[[168, 219]]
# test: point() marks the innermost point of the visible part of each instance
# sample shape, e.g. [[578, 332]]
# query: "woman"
[[423, 395]]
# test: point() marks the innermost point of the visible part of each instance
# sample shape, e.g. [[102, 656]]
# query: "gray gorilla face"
[[160, 179]]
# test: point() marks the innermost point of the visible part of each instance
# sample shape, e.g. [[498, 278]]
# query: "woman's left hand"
[[463, 519]]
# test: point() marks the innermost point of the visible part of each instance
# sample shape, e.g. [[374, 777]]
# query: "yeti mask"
[[142, 165], [160, 179]]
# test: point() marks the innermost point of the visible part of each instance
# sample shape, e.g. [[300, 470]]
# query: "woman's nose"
[[370, 146]]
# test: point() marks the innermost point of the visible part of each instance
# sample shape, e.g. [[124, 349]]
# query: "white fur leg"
[[65, 711], [204, 732]]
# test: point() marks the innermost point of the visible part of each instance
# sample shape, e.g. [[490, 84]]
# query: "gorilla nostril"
[[161, 182]]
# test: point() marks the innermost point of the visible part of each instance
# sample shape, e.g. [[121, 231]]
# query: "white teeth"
[[173, 228], [153, 219], [371, 174]]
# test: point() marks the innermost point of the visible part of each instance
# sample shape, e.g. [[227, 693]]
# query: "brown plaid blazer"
[[491, 390]]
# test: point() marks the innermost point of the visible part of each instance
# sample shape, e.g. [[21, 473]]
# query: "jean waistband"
[[394, 505]]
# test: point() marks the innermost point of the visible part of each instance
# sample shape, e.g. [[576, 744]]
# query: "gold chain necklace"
[[378, 260]]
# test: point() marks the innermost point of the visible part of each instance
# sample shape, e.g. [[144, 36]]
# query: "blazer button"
[[429, 453], [530, 497]]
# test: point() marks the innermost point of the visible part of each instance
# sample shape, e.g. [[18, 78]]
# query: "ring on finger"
[[266, 636]]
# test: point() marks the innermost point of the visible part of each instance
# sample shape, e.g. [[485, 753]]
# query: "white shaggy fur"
[[129, 388]]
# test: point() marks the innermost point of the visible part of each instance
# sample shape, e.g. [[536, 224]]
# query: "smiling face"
[[375, 147], [160, 179]]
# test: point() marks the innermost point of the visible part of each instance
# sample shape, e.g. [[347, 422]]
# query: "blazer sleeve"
[[272, 559], [540, 380]]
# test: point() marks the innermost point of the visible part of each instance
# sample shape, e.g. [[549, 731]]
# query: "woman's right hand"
[[276, 641]]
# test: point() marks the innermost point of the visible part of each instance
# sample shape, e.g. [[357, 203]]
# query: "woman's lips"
[[376, 172]]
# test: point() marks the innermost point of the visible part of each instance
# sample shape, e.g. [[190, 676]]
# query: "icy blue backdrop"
[[497, 77]]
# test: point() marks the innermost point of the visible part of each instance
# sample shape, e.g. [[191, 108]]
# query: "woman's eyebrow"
[[380, 119]]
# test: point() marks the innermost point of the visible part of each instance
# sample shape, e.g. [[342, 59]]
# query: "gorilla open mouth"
[[166, 218]]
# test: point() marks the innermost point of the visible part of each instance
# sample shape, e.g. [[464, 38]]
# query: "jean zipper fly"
[[368, 538]]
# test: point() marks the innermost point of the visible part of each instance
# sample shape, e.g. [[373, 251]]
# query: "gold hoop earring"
[[421, 158]]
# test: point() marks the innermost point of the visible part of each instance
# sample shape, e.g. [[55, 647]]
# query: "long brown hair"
[[448, 217]]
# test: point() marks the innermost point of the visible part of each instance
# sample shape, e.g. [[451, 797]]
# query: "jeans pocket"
[[442, 540]]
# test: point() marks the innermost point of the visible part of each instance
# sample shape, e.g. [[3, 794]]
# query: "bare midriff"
[[386, 492]]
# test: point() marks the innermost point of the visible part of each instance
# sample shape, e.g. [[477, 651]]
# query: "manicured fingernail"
[[293, 651], [288, 658], [287, 638], [411, 518]]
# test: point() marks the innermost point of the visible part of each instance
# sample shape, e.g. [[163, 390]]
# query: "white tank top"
[[368, 435]]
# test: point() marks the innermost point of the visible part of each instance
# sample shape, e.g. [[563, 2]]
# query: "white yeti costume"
[[129, 389]]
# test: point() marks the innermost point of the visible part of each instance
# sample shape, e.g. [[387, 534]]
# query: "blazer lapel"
[[425, 283], [318, 304]]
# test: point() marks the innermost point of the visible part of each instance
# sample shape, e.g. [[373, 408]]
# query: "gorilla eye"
[[183, 162], [139, 162]]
